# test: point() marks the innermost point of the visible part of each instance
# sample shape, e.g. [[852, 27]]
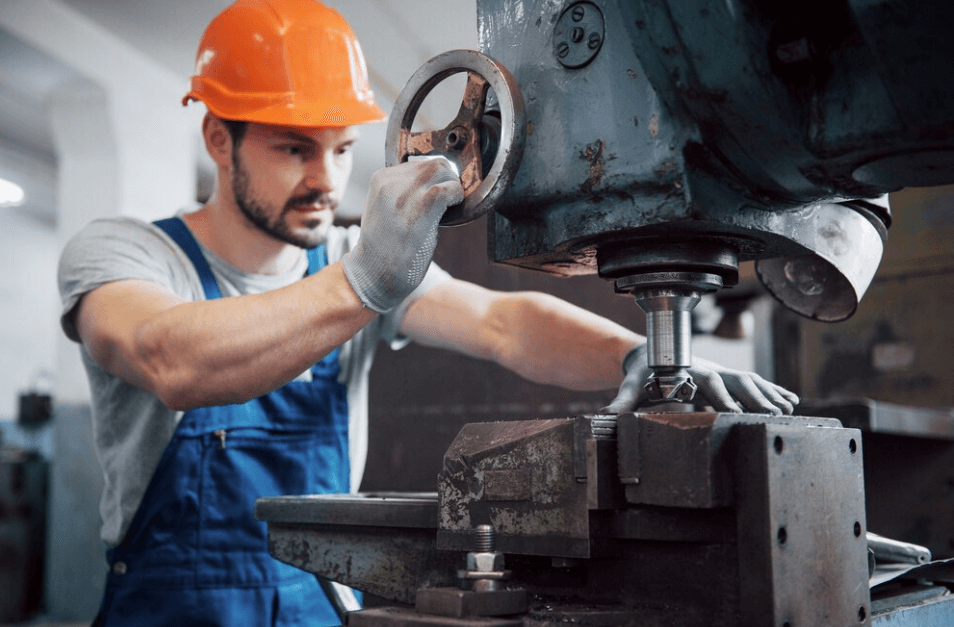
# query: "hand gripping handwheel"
[[469, 139]]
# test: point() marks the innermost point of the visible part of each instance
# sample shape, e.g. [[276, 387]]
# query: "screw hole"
[[857, 529], [852, 446], [862, 613], [782, 535], [778, 444]]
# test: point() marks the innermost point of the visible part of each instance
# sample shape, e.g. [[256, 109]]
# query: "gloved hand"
[[723, 388], [399, 230]]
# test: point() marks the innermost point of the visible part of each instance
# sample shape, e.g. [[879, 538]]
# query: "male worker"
[[228, 348]]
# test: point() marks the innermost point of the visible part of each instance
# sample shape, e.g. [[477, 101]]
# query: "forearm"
[[548, 340], [232, 350]]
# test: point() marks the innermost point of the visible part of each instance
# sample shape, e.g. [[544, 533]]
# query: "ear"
[[218, 141]]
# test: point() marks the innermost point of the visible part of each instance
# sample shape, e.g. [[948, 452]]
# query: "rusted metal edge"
[[414, 511]]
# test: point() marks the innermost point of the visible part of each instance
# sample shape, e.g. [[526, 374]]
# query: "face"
[[287, 181]]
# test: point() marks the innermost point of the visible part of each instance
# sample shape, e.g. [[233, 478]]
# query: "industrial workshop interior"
[[762, 184]]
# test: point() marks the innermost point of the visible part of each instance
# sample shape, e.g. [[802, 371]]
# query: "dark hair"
[[236, 129]]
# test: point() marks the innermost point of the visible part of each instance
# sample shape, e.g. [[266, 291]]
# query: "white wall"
[[124, 142], [28, 304], [124, 147]]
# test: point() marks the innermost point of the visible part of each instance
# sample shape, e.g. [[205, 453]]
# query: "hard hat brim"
[[286, 109]]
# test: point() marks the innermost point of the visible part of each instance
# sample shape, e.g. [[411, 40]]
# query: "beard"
[[257, 212]]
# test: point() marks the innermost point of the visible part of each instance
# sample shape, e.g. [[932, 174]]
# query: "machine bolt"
[[486, 538], [456, 138], [485, 565], [577, 34], [578, 13]]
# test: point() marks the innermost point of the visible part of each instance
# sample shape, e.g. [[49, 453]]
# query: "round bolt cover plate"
[[578, 35]]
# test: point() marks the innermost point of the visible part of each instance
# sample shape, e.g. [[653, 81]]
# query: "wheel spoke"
[[475, 97], [471, 175], [423, 143]]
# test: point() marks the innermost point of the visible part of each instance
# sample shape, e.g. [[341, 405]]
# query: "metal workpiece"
[[384, 545], [485, 145], [801, 525], [887, 550], [681, 459], [781, 496], [688, 520], [520, 477]]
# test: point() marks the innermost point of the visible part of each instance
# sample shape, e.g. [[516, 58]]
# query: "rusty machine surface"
[[659, 143]]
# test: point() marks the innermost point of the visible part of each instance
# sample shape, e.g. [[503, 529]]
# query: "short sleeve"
[[118, 249]]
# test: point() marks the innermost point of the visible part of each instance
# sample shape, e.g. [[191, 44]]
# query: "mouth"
[[310, 208]]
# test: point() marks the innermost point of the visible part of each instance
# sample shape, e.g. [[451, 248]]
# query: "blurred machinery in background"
[[23, 505], [659, 143]]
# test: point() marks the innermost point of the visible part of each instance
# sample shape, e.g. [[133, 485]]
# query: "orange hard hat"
[[293, 62]]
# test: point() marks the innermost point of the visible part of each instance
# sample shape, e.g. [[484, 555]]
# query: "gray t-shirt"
[[131, 428]]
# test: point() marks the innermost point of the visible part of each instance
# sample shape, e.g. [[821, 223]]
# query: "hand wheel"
[[484, 181]]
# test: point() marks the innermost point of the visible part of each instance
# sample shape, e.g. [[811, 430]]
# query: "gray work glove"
[[399, 230], [723, 388]]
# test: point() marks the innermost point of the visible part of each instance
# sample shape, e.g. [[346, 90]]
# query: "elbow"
[[171, 383], [173, 391]]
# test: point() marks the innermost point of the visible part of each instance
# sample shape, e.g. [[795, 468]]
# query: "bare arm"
[[538, 336], [222, 351], [547, 340]]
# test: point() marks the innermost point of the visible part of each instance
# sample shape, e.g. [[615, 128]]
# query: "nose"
[[320, 172]]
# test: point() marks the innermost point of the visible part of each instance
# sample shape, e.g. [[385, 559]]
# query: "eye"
[[300, 151]]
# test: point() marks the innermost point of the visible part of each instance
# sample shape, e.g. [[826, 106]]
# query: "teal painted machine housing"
[[716, 120]]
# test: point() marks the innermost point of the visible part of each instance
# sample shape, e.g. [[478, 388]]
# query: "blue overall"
[[194, 553]]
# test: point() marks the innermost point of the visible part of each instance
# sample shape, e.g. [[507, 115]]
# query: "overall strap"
[[180, 234], [328, 367], [317, 258]]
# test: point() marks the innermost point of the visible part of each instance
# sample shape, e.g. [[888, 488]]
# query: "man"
[[228, 348]]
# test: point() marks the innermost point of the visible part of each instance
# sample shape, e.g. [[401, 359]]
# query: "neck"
[[226, 232]]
